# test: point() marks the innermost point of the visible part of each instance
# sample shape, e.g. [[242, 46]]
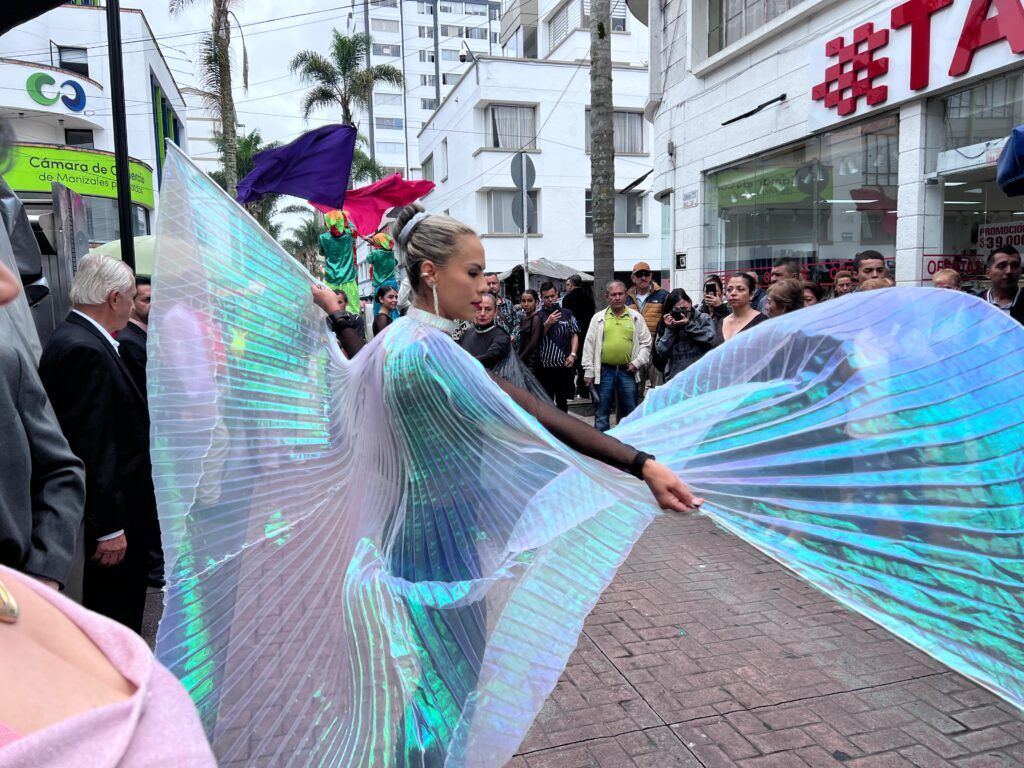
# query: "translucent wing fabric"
[[385, 561]]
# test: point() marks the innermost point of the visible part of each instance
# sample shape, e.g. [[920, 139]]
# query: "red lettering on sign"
[[918, 15], [981, 30]]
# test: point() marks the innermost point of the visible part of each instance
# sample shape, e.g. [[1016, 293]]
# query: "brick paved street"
[[704, 652]]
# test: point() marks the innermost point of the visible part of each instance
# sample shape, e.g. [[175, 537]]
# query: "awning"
[[548, 269]]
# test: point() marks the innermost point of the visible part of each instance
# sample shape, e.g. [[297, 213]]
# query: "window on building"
[[618, 14], [451, 30], [392, 50], [982, 113], [425, 8], [511, 126], [476, 33], [448, 54], [629, 132], [495, 38], [388, 123], [384, 3], [428, 80], [450, 78], [427, 32], [451, 6], [499, 212], [385, 25], [476, 9], [629, 214], [427, 56], [430, 104], [558, 27], [390, 148], [387, 99], [443, 166], [820, 201], [74, 60], [427, 169], [731, 20], [77, 137], [495, 11], [390, 170]]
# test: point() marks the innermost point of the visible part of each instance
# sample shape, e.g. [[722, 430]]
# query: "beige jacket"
[[640, 356]]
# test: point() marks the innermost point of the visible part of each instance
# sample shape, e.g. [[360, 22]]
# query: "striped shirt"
[[557, 342]]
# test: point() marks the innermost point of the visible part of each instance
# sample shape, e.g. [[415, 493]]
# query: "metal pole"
[[405, 88], [526, 222], [124, 177], [369, 107]]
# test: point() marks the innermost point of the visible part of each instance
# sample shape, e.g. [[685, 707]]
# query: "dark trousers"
[[557, 382], [118, 591]]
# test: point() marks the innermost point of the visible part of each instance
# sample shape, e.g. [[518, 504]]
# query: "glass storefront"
[[966, 130], [820, 201]]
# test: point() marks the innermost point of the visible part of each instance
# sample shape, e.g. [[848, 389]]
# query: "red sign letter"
[[918, 14], [979, 31]]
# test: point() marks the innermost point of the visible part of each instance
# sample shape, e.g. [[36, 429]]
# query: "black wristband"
[[636, 467]]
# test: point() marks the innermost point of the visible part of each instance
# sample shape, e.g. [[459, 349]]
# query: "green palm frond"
[[318, 97], [313, 68], [210, 52]]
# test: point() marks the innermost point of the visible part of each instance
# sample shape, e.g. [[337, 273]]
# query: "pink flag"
[[366, 206]]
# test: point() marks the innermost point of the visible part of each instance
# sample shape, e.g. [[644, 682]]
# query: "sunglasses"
[[642, 273]]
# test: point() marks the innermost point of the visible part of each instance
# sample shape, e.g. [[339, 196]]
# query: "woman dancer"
[[738, 291], [394, 508]]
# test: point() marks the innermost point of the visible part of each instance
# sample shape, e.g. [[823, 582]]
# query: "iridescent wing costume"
[[358, 574]]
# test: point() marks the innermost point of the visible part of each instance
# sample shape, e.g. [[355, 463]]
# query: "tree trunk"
[[228, 118], [602, 147]]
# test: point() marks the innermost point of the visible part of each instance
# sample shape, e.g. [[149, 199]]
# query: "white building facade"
[[423, 38], [502, 104], [822, 129], [57, 99]]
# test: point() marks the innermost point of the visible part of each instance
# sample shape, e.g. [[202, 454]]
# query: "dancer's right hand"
[[326, 299], [668, 490]]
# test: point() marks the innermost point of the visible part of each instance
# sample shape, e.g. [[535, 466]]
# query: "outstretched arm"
[[340, 320], [668, 490]]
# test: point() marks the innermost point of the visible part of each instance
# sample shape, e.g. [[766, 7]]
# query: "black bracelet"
[[636, 467]]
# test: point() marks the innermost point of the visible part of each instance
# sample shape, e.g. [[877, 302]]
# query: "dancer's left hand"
[[668, 490]]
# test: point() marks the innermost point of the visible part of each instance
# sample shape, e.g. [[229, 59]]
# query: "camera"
[[465, 54], [679, 313]]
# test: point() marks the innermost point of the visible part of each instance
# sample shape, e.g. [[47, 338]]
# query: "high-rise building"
[[432, 42]]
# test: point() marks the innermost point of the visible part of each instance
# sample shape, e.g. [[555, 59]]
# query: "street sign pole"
[[526, 222]]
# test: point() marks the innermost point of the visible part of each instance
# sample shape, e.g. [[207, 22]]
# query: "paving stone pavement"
[[704, 652]]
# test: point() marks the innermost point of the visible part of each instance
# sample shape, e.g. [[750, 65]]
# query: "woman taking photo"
[[387, 297], [713, 304], [738, 292], [683, 336], [784, 296]]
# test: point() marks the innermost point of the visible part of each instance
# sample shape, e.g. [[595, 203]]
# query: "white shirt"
[[113, 343], [100, 328], [641, 300]]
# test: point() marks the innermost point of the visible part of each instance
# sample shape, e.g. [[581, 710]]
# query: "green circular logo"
[[35, 84]]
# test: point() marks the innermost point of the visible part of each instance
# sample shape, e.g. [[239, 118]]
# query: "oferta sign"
[[40, 87], [86, 171]]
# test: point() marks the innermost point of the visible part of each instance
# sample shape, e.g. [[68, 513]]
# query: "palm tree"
[[246, 148], [344, 78], [602, 145], [364, 168], [304, 243], [215, 77]]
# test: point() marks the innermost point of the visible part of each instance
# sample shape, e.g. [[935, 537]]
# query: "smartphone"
[[711, 289]]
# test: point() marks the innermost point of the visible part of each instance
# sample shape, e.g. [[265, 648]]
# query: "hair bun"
[[403, 216]]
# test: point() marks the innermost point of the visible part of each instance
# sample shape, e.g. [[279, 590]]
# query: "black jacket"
[[105, 419], [42, 486], [580, 304], [132, 341]]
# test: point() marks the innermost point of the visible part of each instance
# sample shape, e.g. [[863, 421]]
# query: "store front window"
[[966, 132], [821, 201], [102, 219]]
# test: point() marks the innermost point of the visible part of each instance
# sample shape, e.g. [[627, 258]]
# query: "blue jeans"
[[620, 383]]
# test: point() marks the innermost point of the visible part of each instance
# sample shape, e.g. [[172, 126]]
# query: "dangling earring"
[[437, 308]]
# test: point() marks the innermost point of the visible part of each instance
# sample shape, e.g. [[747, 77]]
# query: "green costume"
[[340, 264], [384, 263]]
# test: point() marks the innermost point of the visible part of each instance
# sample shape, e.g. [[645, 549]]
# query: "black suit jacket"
[[582, 305], [106, 421], [133, 352]]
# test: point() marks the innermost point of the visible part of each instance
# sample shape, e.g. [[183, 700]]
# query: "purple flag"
[[314, 167]]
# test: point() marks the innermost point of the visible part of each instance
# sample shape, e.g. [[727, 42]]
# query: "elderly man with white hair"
[[105, 419]]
